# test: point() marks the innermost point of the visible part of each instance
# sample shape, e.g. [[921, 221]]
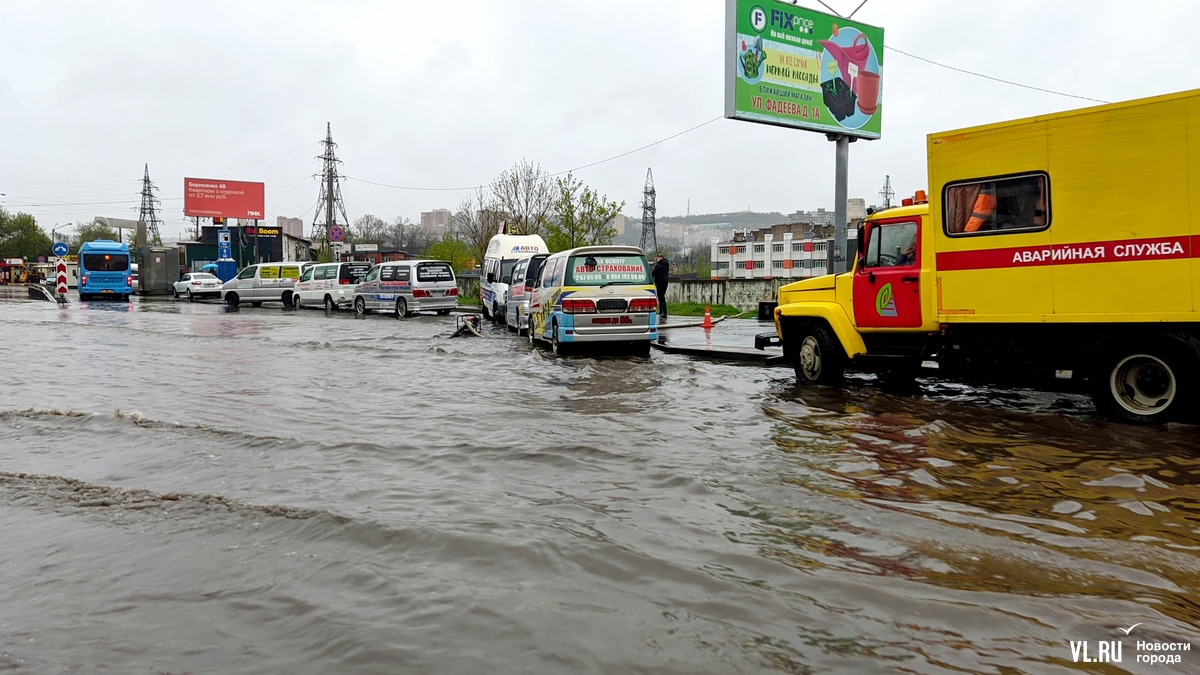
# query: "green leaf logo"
[[885, 304]]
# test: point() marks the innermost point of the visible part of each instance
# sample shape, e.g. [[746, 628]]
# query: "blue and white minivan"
[[599, 295]]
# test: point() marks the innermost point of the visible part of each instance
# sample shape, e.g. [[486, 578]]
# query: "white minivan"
[[262, 282], [503, 252], [407, 286], [329, 285]]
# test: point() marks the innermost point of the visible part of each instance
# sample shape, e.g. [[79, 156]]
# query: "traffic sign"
[[41, 258], [336, 233], [61, 281], [60, 249]]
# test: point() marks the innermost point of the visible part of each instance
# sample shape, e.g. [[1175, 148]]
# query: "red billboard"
[[207, 197]]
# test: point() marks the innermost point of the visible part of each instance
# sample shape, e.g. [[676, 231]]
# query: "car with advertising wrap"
[[328, 285], [524, 275], [594, 295], [406, 287], [503, 252]]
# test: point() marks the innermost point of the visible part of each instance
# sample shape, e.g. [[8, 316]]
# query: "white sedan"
[[197, 285]]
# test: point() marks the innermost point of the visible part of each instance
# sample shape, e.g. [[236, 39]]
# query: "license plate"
[[437, 292], [106, 290]]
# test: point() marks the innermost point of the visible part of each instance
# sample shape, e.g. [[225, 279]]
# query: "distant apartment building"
[[618, 226], [787, 251], [856, 209], [291, 226], [435, 222]]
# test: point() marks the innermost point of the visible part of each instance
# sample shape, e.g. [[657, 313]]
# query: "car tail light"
[[583, 306], [195, 283], [643, 305], [343, 282], [452, 291], [420, 293]]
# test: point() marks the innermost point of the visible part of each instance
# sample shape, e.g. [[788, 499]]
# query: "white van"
[[262, 282], [503, 252], [407, 286], [328, 285]]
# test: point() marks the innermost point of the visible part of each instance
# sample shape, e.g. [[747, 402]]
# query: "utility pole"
[[149, 210], [649, 237], [841, 172], [330, 202]]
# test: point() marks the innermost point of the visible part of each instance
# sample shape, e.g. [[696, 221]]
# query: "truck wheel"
[[819, 358], [1141, 385]]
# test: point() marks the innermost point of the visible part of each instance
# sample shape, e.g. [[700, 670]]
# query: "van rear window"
[[434, 272], [597, 270], [354, 271]]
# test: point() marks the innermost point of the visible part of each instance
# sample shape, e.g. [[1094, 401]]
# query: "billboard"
[[209, 198], [794, 67]]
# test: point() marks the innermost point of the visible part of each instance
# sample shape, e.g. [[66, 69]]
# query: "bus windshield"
[[105, 262]]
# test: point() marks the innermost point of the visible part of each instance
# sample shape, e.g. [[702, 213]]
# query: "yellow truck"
[[1053, 250]]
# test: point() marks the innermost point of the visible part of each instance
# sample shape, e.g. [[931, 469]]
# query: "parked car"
[[524, 274], [197, 285], [262, 282], [406, 287], [594, 294], [328, 285]]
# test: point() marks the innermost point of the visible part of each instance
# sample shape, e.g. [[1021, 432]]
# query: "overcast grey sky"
[[450, 94]]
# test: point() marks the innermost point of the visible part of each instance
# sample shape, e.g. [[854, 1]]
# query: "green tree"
[[85, 232], [451, 249], [20, 237], [582, 217]]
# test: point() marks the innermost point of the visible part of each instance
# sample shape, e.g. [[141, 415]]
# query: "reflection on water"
[[279, 491]]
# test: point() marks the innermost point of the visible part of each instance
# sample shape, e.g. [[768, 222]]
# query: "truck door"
[[887, 282]]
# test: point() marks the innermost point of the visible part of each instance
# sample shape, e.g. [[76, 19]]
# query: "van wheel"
[[496, 314], [529, 336], [1143, 385], [330, 305], [559, 348], [360, 307], [297, 302], [402, 309], [232, 299], [819, 358], [288, 300]]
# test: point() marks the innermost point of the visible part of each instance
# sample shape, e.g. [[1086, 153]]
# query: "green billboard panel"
[[794, 67]]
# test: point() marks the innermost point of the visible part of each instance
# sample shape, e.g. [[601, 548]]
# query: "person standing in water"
[[661, 274]]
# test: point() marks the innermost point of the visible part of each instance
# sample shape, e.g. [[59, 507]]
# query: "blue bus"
[[104, 270]]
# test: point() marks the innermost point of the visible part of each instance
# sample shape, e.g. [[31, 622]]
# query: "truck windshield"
[[106, 262], [601, 269]]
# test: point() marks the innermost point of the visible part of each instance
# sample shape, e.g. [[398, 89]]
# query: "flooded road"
[[187, 489]]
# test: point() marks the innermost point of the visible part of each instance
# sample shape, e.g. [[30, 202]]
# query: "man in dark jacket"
[[660, 275]]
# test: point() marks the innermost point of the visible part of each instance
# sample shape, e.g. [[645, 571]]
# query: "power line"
[[994, 79], [560, 173]]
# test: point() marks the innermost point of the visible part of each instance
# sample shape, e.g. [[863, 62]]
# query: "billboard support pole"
[[840, 191]]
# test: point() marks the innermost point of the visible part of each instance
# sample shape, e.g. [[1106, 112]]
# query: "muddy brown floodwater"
[[188, 489]]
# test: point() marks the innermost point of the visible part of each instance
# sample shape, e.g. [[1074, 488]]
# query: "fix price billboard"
[[212, 198], [795, 67]]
